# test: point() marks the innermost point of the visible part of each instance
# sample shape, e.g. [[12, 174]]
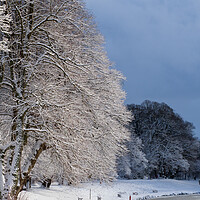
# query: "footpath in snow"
[[117, 190]]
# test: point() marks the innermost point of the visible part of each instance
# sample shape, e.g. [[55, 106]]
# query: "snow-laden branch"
[[51, 49], [32, 158], [6, 147], [35, 130], [21, 23], [6, 84], [40, 24], [5, 28]]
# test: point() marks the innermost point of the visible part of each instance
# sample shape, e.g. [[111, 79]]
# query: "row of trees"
[[167, 141], [61, 102]]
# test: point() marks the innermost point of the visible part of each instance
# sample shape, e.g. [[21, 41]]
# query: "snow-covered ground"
[[113, 191]]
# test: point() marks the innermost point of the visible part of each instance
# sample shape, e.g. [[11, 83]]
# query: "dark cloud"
[[156, 45]]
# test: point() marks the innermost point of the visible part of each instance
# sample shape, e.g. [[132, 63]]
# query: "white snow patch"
[[125, 188]]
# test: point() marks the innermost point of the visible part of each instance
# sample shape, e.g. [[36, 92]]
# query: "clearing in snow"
[[117, 190]]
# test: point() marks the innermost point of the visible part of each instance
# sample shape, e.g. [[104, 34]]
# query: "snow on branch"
[[5, 20]]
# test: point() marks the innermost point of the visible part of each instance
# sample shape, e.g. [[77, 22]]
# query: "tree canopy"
[[168, 141], [60, 97]]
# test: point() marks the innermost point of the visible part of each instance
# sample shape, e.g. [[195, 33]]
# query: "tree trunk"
[[1, 175], [12, 176], [30, 163]]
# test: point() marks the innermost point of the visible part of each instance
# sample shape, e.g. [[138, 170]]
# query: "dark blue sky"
[[156, 45]]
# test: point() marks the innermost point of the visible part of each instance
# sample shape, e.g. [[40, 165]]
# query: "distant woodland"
[[165, 143]]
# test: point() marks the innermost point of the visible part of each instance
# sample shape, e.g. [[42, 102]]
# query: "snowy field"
[[117, 190]]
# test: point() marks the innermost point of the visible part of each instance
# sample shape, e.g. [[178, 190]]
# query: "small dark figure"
[[28, 183], [46, 183], [199, 182], [119, 195]]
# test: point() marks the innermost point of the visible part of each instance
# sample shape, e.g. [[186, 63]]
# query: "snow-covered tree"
[[5, 19], [191, 152], [132, 164], [167, 139], [59, 96]]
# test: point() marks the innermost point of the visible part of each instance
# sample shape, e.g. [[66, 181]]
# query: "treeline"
[[162, 144]]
